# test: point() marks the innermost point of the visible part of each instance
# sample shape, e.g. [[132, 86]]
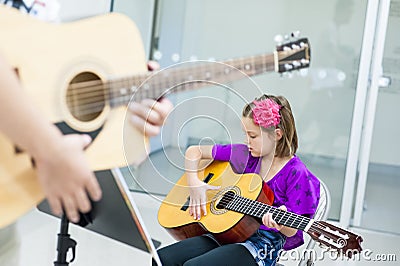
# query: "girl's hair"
[[287, 145]]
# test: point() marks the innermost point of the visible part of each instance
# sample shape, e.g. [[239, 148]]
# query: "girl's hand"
[[198, 198], [269, 222]]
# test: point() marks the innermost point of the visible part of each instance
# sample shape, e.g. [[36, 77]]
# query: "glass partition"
[[322, 97]]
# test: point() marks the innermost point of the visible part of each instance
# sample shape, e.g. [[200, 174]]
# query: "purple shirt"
[[294, 185]]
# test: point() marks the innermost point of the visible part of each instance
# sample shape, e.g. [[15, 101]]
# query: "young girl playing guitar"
[[270, 151]]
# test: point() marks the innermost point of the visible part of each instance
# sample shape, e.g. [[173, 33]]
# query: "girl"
[[270, 151]]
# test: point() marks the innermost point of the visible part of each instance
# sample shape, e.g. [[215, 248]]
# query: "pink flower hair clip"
[[266, 113]]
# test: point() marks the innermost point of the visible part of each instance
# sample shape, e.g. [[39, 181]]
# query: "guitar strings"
[[265, 208], [252, 207], [98, 89], [256, 207], [99, 86], [265, 59]]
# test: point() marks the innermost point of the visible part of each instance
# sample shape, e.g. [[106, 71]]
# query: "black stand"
[[64, 243]]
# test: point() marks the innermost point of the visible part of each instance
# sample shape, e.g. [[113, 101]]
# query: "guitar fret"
[[253, 66], [295, 223], [246, 206], [258, 209], [282, 216], [185, 78], [304, 222], [243, 205], [289, 219], [267, 208], [277, 215], [254, 208], [240, 204]]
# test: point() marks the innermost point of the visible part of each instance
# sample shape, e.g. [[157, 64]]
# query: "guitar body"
[[47, 59], [226, 226], [231, 209]]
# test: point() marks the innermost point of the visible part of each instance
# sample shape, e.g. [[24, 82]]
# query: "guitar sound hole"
[[86, 97], [222, 199]]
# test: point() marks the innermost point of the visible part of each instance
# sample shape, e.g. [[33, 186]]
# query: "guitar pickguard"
[[66, 129]]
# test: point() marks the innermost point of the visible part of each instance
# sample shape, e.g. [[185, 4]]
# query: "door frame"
[[369, 75]]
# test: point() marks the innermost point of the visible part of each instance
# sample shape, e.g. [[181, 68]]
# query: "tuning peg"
[[296, 64], [295, 34], [288, 66], [302, 44], [278, 39], [304, 61], [295, 47]]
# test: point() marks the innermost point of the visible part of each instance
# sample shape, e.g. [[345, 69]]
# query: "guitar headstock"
[[344, 242], [292, 55]]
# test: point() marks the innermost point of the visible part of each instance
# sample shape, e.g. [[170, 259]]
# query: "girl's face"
[[259, 142]]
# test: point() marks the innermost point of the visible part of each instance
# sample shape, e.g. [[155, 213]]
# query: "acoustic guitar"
[[234, 212], [82, 75]]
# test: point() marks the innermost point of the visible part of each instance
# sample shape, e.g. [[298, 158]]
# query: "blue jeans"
[[265, 246]]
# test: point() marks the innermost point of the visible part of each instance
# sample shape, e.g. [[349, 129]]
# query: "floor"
[[37, 232]]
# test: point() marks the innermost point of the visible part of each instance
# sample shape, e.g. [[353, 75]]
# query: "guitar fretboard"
[[87, 99], [234, 202], [191, 75]]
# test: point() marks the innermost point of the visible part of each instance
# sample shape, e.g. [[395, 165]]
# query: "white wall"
[[77, 9], [322, 102]]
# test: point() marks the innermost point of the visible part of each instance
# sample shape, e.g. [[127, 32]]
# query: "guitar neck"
[[257, 209], [185, 78]]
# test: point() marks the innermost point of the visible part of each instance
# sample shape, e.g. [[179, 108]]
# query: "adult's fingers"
[[147, 128], [71, 209], [145, 111], [163, 107], [83, 201], [55, 205], [93, 188]]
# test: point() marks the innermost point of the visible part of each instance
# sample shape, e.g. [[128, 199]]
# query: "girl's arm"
[[193, 156]]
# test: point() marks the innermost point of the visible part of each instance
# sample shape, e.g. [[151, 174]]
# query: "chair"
[[321, 214]]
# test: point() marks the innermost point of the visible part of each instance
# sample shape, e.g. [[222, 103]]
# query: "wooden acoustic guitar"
[[81, 75], [234, 212]]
